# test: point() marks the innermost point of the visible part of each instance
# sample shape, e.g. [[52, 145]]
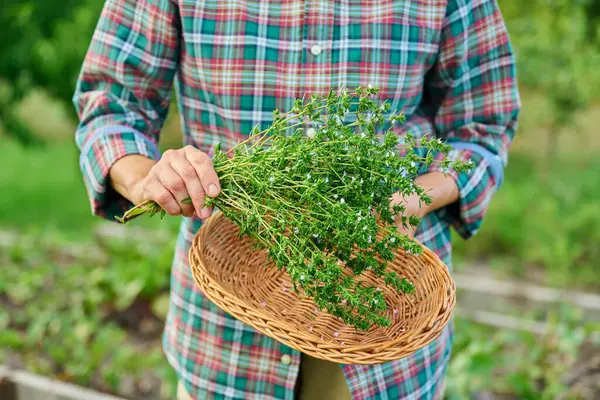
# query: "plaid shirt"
[[447, 64]]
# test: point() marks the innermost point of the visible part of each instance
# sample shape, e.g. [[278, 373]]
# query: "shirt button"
[[310, 132], [316, 50], [286, 359]]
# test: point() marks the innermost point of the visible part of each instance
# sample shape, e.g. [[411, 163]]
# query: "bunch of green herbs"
[[321, 204]]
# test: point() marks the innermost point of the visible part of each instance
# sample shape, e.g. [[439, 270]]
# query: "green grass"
[[42, 189]]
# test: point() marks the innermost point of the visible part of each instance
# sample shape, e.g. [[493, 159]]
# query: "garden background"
[[83, 301]]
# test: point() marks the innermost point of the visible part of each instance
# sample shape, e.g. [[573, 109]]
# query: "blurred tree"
[[42, 45], [557, 55]]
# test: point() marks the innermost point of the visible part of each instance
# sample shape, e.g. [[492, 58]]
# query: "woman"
[[447, 64]]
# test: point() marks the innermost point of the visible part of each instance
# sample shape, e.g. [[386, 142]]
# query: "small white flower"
[[271, 179], [315, 235], [364, 228], [307, 176], [413, 164], [361, 181], [375, 301], [287, 169], [369, 239], [301, 277], [327, 180], [357, 158], [393, 239], [296, 230], [370, 86], [362, 135], [358, 219], [342, 200], [335, 196]]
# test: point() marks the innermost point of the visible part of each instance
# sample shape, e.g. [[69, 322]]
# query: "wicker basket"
[[233, 275]]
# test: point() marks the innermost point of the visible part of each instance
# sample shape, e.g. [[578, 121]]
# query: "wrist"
[[127, 176]]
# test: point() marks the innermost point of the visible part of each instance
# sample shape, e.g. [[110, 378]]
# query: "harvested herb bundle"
[[321, 204]]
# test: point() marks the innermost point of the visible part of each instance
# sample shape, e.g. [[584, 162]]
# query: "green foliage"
[[554, 226], [517, 363], [87, 322], [42, 46], [321, 206], [557, 54]]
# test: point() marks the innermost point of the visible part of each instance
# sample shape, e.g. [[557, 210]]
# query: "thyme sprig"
[[321, 205]]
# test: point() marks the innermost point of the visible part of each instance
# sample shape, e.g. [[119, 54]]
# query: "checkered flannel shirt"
[[447, 64]]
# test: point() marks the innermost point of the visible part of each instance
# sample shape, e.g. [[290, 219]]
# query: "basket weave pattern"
[[233, 275]]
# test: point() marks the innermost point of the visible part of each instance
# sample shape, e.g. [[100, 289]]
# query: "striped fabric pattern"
[[447, 64]]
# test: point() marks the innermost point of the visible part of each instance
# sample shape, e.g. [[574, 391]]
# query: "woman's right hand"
[[179, 174]]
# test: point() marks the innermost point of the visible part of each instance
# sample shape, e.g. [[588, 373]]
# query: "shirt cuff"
[[99, 152], [476, 187], [494, 161]]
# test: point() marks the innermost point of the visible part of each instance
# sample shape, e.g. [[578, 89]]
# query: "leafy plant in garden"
[[321, 205], [86, 321], [520, 364]]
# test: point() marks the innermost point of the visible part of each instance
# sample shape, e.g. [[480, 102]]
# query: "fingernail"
[[212, 190], [204, 213]]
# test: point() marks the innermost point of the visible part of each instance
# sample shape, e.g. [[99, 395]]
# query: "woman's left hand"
[[440, 187], [413, 207]]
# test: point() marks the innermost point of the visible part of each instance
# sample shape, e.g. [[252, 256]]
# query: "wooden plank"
[[34, 387], [489, 285]]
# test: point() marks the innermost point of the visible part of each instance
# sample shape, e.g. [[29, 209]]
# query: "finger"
[[175, 184], [205, 170], [164, 198], [193, 185]]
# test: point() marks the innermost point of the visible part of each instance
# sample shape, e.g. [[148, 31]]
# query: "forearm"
[[127, 172]]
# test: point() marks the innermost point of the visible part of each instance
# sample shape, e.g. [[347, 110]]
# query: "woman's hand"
[[413, 207], [442, 189], [179, 174]]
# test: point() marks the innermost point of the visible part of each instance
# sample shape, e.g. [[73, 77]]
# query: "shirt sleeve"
[[123, 92], [473, 95]]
